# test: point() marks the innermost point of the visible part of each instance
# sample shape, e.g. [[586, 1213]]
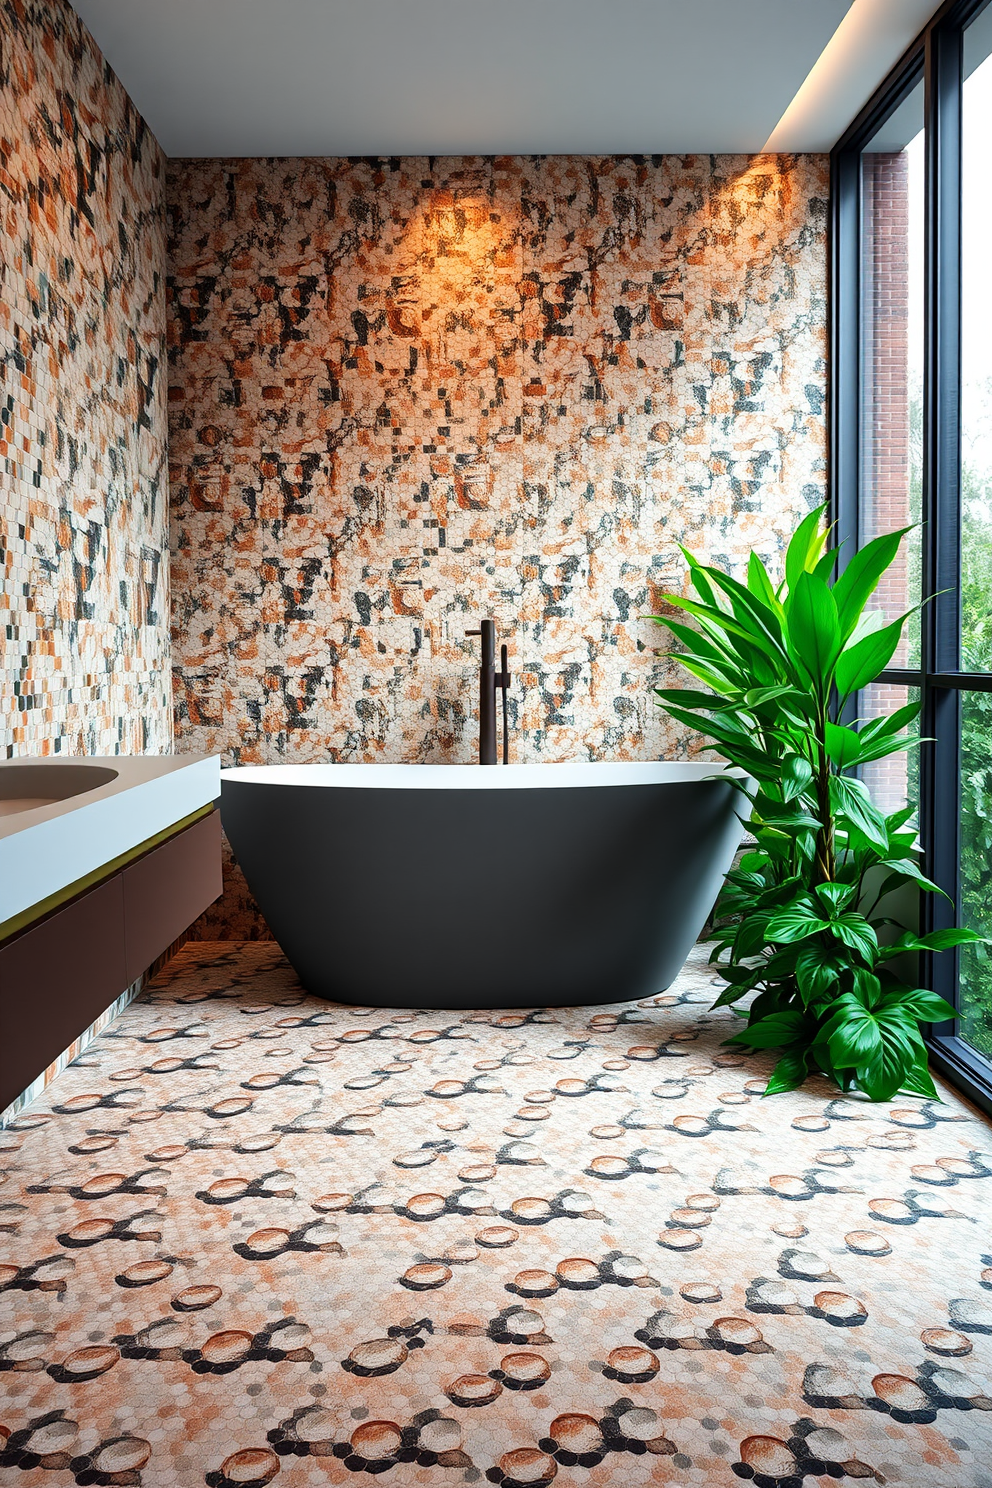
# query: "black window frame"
[[936, 57]]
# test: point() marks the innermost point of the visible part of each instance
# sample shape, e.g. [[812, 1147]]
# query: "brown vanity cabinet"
[[166, 890], [62, 972]]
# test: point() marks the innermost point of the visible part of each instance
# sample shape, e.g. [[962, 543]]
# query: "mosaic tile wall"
[[407, 393], [83, 506]]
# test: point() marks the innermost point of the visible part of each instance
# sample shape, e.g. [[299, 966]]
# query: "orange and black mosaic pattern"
[[83, 503], [404, 392], [411, 392], [408, 392], [251, 1236]]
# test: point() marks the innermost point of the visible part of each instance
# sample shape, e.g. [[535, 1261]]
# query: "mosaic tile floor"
[[250, 1236]]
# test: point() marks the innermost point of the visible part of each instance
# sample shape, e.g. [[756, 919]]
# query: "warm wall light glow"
[[867, 43], [764, 179]]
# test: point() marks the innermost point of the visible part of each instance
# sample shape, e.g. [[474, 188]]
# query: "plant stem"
[[823, 865]]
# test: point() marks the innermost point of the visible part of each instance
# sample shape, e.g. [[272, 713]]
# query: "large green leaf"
[[736, 990], [771, 895], [937, 940], [757, 697], [795, 923], [734, 657], [789, 1072], [866, 985], [904, 870], [861, 663], [773, 1032], [891, 724], [714, 675], [720, 654], [750, 937], [714, 619], [698, 576], [780, 966], [891, 744], [817, 973], [850, 799], [860, 578], [920, 1003], [834, 897], [751, 610], [819, 1054], [813, 628], [789, 817], [854, 931], [917, 1080], [843, 745], [826, 565], [688, 697], [770, 1001], [710, 673], [871, 622], [902, 841], [851, 1032], [881, 1045], [735, 747], [887, 1072], [797, 772], [897, 819], [805, 546], [760, 584]]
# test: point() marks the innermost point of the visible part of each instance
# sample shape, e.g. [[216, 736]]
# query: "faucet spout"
[[489, 681]]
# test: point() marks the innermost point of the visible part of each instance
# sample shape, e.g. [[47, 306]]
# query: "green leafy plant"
[[803, 922]]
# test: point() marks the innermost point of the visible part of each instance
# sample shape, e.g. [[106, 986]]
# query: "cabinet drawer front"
[[55, 980], [167, 890]]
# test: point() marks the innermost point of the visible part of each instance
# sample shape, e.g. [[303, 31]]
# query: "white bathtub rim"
[[578, 774]]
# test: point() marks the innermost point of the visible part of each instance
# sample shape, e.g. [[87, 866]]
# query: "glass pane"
[[975, 860], [976, 351], [891, 434], [894, 782]]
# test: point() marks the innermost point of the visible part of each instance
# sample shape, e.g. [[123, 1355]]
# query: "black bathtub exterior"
[[455, 898]]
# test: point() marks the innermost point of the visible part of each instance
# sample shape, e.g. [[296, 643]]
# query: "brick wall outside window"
[[886, 467]]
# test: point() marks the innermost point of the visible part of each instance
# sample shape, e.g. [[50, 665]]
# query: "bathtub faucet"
[[489, 680]]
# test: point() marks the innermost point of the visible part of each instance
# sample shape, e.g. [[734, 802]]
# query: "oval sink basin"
[[26, 787]]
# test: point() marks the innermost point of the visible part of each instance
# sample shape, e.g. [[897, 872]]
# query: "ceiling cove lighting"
[[867, 43]]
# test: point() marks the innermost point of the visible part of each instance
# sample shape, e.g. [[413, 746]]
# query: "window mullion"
[[942, 366], [940, 764]]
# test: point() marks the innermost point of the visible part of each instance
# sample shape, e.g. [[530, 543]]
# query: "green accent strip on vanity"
[[28, 917]]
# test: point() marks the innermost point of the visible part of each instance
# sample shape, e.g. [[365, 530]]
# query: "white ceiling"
[[451, 77], [443, 77]]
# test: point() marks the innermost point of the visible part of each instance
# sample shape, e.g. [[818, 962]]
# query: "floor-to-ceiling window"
[[890, 415], [912, 447], [975, 809]]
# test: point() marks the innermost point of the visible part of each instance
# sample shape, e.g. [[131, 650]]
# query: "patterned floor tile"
[[253, 1236]]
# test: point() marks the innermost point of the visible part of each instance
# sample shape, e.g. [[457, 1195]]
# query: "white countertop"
[[46, 848]]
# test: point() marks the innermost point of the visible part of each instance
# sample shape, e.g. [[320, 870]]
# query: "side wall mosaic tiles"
[[83, 503], [407, 393]]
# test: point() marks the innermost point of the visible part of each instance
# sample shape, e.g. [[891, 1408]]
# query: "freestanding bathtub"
[[457, 886]]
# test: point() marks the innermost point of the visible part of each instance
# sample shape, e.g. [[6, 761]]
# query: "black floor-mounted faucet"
[[489, 680]]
